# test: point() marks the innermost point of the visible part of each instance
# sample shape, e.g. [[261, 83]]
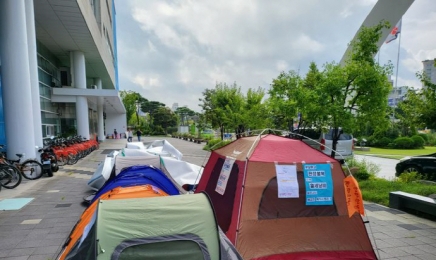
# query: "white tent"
[[157, 147], [103, 172], [160, 154], [135, 145], [163, 148]]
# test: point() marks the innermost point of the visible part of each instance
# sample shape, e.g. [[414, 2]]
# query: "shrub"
[[384, 142], [408, 177], [392, 133], [381, 142], [431, 139], [365, 170], [404, 143], [215, 144], [207, 138], [418, 141], [362, 175], [158, 130], [376, 142], [431, 176], [370, 141], [171, 130], [424, 136]]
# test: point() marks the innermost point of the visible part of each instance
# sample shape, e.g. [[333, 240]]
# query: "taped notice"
[[319, 184], [287, 181], [224, 175]]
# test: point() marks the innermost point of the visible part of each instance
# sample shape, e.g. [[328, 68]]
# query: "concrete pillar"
[[79, 81], [100, 119], [33, 69], [17, 100]]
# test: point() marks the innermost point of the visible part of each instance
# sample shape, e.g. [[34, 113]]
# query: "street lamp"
[[137, 112]]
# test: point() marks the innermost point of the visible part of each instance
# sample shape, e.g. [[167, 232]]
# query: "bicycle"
[[10, 176], [30, 169]]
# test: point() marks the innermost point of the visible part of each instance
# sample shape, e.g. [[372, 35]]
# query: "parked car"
[[423, 164], [324, 142]]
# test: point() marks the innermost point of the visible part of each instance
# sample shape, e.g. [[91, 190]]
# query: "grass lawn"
[[377, 190], [397, 153]]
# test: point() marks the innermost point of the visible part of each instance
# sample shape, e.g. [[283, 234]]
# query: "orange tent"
[[142, 191], [278, 198]]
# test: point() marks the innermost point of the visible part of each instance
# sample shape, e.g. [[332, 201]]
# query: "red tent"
[[278, 198]]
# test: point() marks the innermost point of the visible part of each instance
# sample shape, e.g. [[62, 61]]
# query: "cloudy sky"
[[171, 51]]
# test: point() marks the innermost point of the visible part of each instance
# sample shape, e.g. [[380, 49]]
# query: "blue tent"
[[139, 175]]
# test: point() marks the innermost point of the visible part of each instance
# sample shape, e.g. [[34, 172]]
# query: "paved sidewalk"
[[39, 229]]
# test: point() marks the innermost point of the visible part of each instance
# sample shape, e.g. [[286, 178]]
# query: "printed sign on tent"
[[224, 175], [287, 182], [319, 184]]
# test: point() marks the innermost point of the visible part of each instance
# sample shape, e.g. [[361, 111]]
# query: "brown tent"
[[278, 198]]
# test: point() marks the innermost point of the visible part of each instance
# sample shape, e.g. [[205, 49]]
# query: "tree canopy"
[[129, 99], [340, 95], [227, 108]]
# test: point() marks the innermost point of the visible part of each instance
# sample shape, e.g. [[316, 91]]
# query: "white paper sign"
[[224, 175], [287, 181]]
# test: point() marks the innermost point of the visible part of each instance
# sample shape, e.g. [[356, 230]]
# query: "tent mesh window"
[[182, 249], [272, 207], [86, 249], [223, 203]]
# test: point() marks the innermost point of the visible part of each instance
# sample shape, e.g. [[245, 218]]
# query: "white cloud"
[[140, 80], [345, 13], [282, 65], [415, 83], [306, 45], [173, 50], [146, 83], [151, 46]]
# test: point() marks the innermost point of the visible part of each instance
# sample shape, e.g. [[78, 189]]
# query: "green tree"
[[222, 106], [134, 121], [408, 113], [357, 91], [201, 123], [283, 99], [306, 97], [129, 99], [151, 107], [183, 113], [427, 106], [164, 118], [254, 110]]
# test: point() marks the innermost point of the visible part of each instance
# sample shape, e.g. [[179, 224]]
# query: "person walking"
[[129, 135], [115, 134], [138, 134]]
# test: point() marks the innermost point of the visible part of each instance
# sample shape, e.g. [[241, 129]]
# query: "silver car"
[[324, 142]]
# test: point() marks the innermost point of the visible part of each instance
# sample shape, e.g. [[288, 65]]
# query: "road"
[[387, 166]]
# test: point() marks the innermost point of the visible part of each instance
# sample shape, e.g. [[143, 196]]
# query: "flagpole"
[[398, 59], [396, 75]]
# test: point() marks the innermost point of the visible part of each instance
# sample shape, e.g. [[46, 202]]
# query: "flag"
[[353, 196], [394, 33]]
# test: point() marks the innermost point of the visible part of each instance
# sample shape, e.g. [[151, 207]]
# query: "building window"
[[95, 6], [109, 45]]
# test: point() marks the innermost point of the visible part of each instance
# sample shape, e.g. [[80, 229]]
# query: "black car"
[[423, 164]]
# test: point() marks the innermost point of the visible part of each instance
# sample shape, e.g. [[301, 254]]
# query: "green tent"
[[172, 227]]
